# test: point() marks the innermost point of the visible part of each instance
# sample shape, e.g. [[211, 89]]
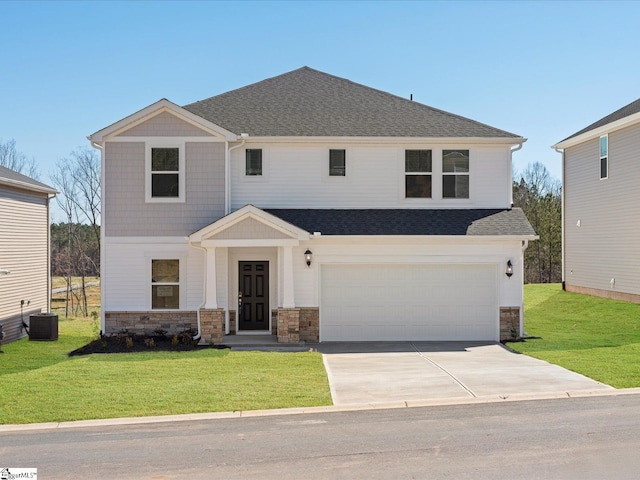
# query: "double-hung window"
[[417, 173], [604, 156], [337, 163], [253, 162], [455, 174], [165, 173], [165, 284]]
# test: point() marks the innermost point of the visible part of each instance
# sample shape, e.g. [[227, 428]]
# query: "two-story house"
[[601, 207], [25, 282], [313, 208]]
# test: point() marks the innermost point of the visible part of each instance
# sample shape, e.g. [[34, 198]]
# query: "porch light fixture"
[[509, 270], [307, 257]]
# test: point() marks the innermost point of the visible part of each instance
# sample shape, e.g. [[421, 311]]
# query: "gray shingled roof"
[[476, 222], [627, 110], [306, 102], [12, 177]]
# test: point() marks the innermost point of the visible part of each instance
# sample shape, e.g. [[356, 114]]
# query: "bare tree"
[[77, 178], [15, 160]]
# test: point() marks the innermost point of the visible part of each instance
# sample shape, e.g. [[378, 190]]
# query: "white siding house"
[[601, 207], [24, 250], [312, 208]]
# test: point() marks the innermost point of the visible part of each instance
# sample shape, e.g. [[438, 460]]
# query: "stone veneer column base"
[[288, 325], [310, 324], [211, 325], [509, 323]]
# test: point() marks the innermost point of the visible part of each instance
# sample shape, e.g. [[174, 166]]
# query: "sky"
[[542, 70]]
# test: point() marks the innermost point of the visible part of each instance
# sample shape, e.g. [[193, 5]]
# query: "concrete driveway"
[[380, 372]]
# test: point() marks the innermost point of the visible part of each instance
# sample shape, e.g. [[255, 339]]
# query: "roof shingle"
[[306, 102], [627, 110], [12, 177], [474, 222]]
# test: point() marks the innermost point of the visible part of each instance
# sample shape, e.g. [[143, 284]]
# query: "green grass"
[[39, 383], [596, 337]]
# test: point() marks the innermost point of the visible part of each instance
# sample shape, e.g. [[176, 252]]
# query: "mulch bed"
[[139, 343]]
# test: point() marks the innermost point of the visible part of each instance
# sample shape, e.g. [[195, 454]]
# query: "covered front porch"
[[251, 261]]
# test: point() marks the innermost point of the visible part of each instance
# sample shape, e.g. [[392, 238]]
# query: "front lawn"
[[40, 383], [596, 337]]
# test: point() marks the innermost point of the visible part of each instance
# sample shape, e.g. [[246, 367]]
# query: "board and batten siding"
[[127, 214], [297, 176], [604, 245], [24, 243]]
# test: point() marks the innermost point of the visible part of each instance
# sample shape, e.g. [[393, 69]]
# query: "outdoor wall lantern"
[[307, 257], [509, 271]]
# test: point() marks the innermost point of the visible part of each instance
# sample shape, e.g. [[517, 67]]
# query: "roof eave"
[[152, 110], [381, 139], [28, 186], [599, 131]]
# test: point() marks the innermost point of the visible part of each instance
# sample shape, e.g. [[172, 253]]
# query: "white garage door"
[[408, 302]]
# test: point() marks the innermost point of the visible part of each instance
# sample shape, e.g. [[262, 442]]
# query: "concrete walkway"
[[378, 372]]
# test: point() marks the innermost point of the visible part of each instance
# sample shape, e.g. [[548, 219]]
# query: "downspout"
[[511, 170], [49, 198], [227, 200], [204, 290], [227, 169], [103, 263], [561, 152]]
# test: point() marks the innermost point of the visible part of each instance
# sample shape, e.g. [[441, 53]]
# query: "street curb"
[[311, 410]]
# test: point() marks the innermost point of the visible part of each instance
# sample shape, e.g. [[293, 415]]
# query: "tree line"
[[540, 197]]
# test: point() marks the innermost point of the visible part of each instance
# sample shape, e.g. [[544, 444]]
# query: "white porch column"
[[287, 281], [212, 283]]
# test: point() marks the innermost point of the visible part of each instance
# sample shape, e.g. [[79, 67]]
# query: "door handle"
[[239, 299]]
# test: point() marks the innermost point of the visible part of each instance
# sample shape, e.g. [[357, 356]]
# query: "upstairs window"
[[164, 172], [455, 174], [165, 284], [604, 157], [337, 163], [418, 171], [253, 165]]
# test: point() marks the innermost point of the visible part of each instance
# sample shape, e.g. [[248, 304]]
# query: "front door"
[[253, 295]]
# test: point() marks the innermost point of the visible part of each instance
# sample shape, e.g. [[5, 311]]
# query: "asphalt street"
[[583, 438]]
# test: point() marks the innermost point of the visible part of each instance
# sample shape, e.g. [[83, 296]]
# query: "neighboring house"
[[312, 208], [601, 207], [24, 250]]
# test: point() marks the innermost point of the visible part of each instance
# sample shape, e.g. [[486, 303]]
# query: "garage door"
[[408, 302]]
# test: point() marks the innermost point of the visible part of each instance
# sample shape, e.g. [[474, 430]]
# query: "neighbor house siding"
[[24, 240], [604, 244], [296, 175], [125, 210]]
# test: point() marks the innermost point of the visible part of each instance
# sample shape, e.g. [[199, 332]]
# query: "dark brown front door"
[[253, 295]]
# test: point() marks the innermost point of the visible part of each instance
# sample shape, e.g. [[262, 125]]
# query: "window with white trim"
[[455, 174], [337, 163], [165, 173], [253, 162], [165, 284], [418, 173], [604, 157]]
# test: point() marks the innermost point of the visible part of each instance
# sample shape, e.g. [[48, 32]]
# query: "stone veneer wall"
[[211, 325], [310, 324], [145, 323], [509, 323], [288, 325]]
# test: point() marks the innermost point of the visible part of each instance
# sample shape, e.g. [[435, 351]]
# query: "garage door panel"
[[408, 302]]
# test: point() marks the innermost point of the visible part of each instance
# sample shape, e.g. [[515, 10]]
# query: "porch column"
[[287, 281], [211, 301]]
